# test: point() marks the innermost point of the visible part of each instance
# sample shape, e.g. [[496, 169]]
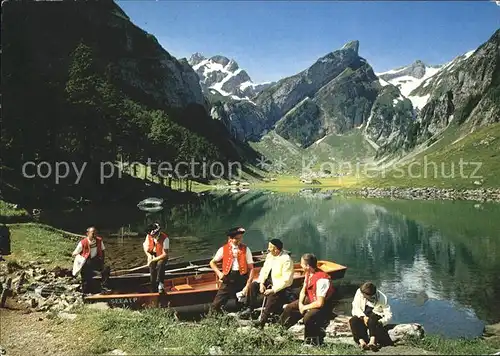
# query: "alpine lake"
[[437, 261]]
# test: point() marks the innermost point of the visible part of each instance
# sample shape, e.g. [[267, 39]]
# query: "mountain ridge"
[[396, 110], [224, 76]]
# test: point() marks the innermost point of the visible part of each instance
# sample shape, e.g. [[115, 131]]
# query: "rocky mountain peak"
[[223, 76], [417, 69], [196, 58], [232, 66], [354, 45], [224, 61]]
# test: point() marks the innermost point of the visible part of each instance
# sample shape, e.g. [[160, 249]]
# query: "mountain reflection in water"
[[437, 261]]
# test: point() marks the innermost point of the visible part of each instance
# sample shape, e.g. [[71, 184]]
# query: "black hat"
[[154, 229], [277, 243], [235, 231]]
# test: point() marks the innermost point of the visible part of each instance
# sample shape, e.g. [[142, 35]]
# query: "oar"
[[201, 268], [125, 271], [193, 267]]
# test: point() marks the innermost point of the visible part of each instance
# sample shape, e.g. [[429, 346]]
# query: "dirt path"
[[32, 333]]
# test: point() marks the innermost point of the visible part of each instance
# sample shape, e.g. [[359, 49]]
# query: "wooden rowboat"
[[139, 279], [198, 262], [195, 290]]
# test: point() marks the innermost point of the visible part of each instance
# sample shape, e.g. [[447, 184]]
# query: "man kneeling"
[[314, 303], [370, 313], [275, 279]]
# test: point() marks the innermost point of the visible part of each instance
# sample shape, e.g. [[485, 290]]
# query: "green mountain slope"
[[456, 159]]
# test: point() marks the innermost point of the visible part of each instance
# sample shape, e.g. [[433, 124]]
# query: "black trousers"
[[232, 283], [156, 274], [314, 319], [4, 240], [360, 330], [274, 302], [89, 269]]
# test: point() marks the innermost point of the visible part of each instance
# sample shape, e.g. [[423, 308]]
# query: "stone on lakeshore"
[[340, 340], [404, 332], [98, 306], [297, 328], [338, 331], [67, 316]]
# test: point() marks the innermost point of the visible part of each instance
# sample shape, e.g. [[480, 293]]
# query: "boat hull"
[[139, 280], [193, 290]]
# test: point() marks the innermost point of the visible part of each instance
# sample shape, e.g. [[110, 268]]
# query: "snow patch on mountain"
[[223, 75], [419, 102], [418, 75], [407, 82]]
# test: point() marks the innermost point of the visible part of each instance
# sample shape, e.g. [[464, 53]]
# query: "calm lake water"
[[438, 262]]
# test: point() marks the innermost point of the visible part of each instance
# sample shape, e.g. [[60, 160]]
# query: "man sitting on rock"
[[92, 249], [370, 312], [314, 305], [274, 282]]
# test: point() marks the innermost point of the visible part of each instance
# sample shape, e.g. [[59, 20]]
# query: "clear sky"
[[275, 39]]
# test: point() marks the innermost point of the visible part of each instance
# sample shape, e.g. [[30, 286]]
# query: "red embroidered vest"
[[86, 247], [311, 282], [158, 249], [227, 258]]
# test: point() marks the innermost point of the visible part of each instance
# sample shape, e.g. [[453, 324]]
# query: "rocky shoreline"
[[430, 193], [39, 289]]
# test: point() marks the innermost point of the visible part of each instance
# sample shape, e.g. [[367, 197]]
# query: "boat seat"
[[183, 287], [327, 268]]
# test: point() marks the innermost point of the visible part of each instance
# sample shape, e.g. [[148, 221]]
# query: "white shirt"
[[281, 269], [380, 307], [236, 266], [93, 248], [322, 286]]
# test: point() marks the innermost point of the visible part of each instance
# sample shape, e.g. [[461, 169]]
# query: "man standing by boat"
[[92, 249], [156, 247], [315, 301], [237, 268], [275, 280]]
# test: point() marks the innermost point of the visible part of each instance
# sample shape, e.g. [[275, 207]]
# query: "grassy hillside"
[[275, 148], [453, 161], [332, 152], [343, 148]]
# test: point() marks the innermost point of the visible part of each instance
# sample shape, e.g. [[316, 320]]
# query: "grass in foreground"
[[442, 346], [155, 331]]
